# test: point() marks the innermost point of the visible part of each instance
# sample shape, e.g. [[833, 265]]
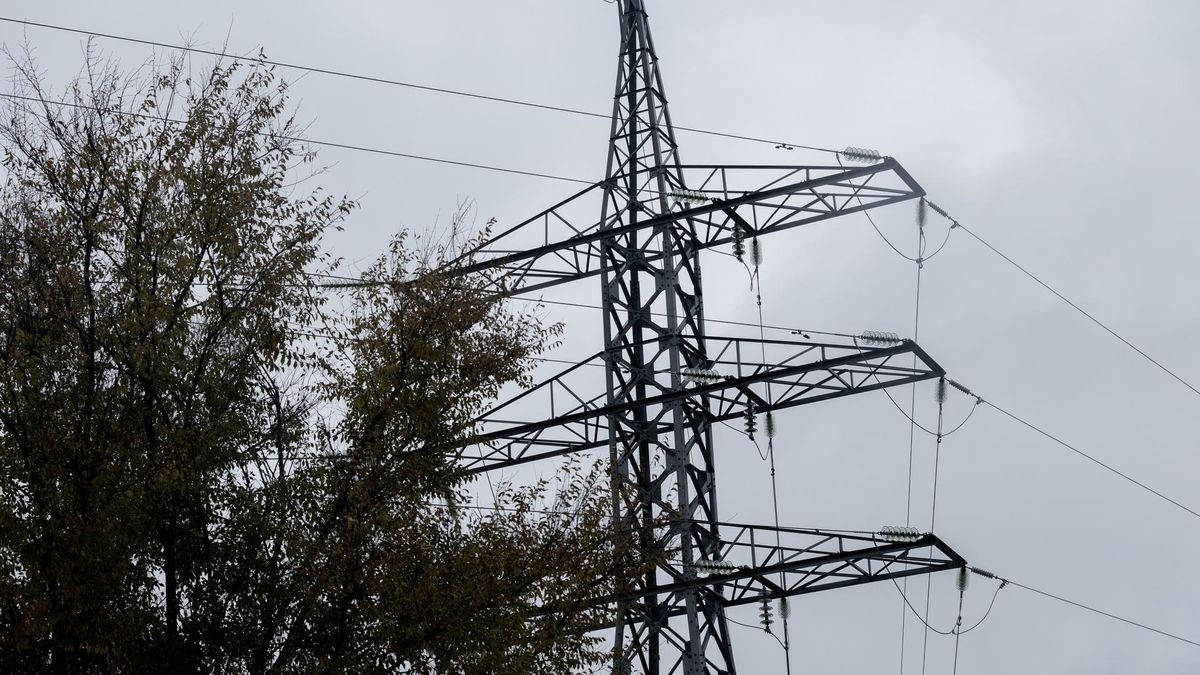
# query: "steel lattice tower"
[[645, 354], [657, 216]]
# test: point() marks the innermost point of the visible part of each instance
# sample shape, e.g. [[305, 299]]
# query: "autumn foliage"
[[206, 469]]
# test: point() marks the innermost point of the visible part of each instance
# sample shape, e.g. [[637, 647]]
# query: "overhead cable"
[[1092, 459], [1090, 317], [310, 141], [980, 401], [562, 109], [397, 83], [1009, 582], [912, 414], [1080, 605], [583, 305], [937, 453]]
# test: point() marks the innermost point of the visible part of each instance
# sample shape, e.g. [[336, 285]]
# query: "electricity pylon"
[[667, 381]]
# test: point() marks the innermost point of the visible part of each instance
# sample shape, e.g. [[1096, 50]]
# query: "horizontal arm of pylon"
[[803, 372], [553, 247], [804, 561]]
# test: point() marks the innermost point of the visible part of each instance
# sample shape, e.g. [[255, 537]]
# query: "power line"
[[1092, 459], [1006, 582], [1079, 309], [1088, 608], [359, 281], [728, 322], [562, 109], [397, 83], [562, 178], [329, 144], [937, 454], [348, 339], [584, 305], [746, 625], [995, 594], [1093, 319], [912, 407], [922, 427], [979, 400], [503, 509]]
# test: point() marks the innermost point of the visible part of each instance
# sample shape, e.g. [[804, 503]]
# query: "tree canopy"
[[206, 469]]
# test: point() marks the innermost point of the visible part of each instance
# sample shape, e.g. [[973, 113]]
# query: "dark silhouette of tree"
[[202, 467]]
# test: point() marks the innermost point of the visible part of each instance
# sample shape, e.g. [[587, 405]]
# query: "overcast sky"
[[1062, 132]]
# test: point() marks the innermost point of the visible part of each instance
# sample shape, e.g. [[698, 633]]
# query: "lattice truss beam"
[[763, 562], [559, 245], [563, 413], [759, 563]]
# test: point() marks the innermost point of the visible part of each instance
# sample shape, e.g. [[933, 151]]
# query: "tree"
[[203, 469]]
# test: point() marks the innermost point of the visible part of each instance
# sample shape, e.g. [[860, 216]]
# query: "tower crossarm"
[[739, 376], [556, 247], [754, 563]]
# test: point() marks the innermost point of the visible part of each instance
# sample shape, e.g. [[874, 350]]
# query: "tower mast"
[[667, 380], [654, 328]]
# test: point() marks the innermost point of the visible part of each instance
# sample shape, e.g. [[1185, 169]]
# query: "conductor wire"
[[932, 525], [912, 428], [787, 643]]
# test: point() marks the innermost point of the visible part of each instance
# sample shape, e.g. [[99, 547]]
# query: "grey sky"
[[1062, 132]]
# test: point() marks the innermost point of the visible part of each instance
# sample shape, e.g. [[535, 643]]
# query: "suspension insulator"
[[751, 421], [942, 390], [770, 425], [739, 242], [764, 615]]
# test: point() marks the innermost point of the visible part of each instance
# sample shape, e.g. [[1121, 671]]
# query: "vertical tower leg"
[[654, 327]]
